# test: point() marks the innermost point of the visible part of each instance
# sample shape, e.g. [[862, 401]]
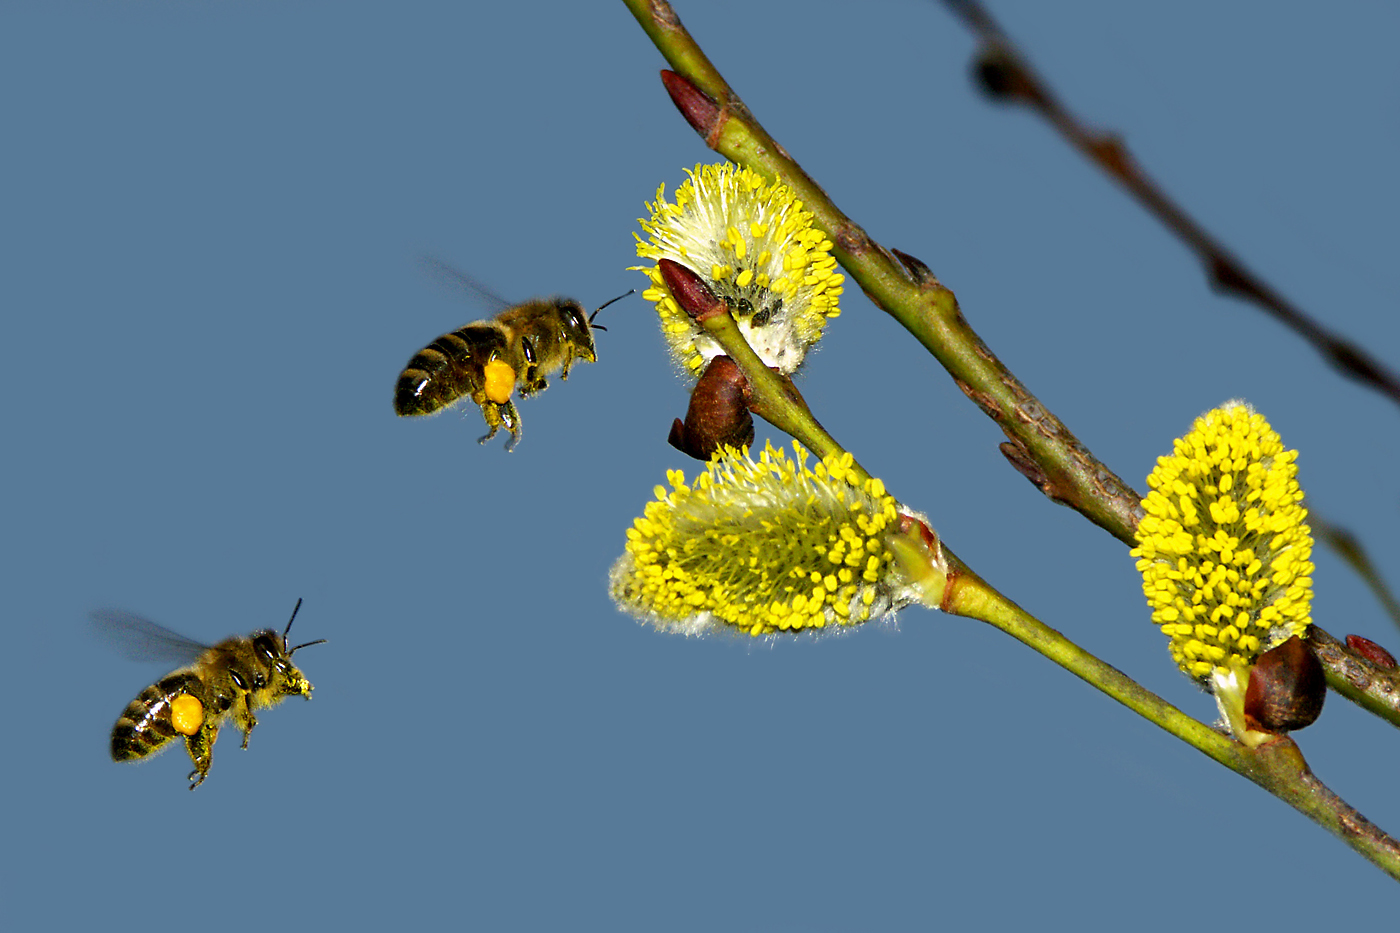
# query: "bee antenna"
[[295, 609], [292, 651], [604, 305]]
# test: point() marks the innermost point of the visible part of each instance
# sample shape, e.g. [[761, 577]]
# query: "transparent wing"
[[458, 280], [140, 639]]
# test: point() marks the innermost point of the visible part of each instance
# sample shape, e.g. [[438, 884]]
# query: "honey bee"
[[491, 360], [235, 677]]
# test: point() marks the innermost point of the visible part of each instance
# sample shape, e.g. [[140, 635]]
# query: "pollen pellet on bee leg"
[[186, 714], [499, 381]]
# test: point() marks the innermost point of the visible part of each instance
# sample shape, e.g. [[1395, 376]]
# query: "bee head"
[[577, 328], [274, 651]]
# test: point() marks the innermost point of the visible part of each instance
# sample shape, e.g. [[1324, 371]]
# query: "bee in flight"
[[490, 360], [235, 677]]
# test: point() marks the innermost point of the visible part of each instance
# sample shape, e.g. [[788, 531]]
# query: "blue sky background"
[[210, 244]]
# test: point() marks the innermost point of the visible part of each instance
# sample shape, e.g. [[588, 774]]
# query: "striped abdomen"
[[145, 726], [448, 368]]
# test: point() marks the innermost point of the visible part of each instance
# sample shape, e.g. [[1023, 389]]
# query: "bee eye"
[[266, 648]]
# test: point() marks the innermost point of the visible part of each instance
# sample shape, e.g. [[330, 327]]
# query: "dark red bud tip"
[[698, 108], [1371, 652], [679, 439], [1016, 454], [918, 269], [909, 525], [718, 413], [1003, 77], [690, 291], [1286, 688], [1000, 76]]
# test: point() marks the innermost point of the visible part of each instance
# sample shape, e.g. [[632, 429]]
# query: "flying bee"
[[491, 360], [235, 677]]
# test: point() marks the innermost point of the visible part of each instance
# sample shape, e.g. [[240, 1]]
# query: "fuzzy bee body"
[[147, 722], [490, 360], [234, 678]]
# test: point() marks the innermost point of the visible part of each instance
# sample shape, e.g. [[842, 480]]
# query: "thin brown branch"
[[910, 293], [1356, 675], [1040, 446], [1005, 74]]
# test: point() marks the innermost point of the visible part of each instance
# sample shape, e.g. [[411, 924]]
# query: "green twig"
[[1373, 688], [1276, 766], [1040, 445], [774, 397]]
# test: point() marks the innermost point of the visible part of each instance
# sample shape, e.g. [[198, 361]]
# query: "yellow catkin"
[[1224, 548], [761, 547], [762, 255]]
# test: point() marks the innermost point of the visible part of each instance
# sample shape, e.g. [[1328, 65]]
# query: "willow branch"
[[1039, 445], [1048, 453], [1277, 766], [1374, 688], [1005, 74]]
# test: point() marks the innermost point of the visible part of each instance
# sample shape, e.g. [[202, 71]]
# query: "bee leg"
[[502, 414], [530, 379], [492, 413], [247, 722], [568, 362], [201, 750], [513, 422]]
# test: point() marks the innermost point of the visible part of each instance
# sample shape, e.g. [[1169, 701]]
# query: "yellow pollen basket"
[[500, 381], [186, 714]]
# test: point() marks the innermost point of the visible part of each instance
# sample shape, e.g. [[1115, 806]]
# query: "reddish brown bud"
[[698, 108], [1371, 652], [1286, 688], [690, 291], [1003, 78], [909, 525], [918, 269], [718, 412], [1019, 457]]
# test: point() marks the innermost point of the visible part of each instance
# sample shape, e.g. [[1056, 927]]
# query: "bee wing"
[[458, 280], [140, 639]]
